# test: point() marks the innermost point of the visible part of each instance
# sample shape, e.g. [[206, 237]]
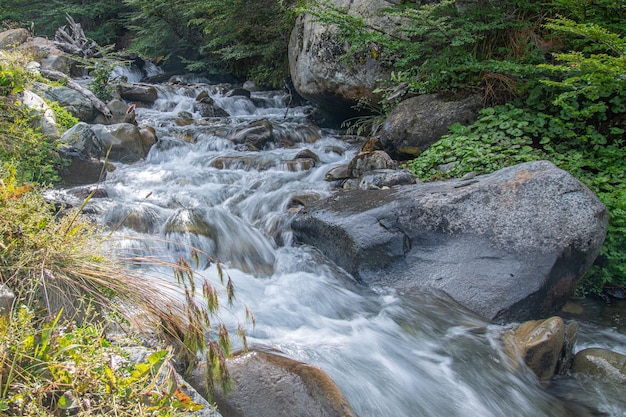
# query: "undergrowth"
[[48, 368]]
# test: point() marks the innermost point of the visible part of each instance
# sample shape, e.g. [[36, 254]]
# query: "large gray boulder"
[[416, 123], [511, 245], [319, 72], [123, 139], [71, 100], [265, 384], [80, 168]]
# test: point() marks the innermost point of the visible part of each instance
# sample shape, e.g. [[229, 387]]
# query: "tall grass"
[[64, 270]]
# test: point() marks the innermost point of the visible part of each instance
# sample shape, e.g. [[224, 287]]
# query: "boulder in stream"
[[143, 93], [545, 346], [601, 363], [124, 140], [511, 245], [268, 384]]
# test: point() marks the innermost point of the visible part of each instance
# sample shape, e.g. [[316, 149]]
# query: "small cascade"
[[229, 186]]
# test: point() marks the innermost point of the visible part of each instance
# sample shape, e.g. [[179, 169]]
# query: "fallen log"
[[72, 39], [98, 104]]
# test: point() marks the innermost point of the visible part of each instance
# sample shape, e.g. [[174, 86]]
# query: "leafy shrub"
[[442, 46], [49, 368], [576, 121], [65, 119], [32, 154]]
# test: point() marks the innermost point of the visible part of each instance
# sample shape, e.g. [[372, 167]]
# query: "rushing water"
[[391, 355]]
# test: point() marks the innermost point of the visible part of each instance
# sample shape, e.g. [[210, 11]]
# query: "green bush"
[[576, 119], [50, 368]]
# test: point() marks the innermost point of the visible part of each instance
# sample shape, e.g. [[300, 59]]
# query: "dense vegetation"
[[72, 287], [554, 85]]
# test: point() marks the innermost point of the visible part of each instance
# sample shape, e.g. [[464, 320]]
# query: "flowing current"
[[391, 355]]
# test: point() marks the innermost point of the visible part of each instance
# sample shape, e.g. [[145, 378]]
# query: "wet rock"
[[250, 86], [256, 134], [144, 93], [267, 384], [238, 92], [82, 169], [369, 161], [289, 137], [338, 173], [384, 178], [511, 245], [299, 201], [71, 100], [601, 363], [416, 123], [140, 218], [83, 193], [49, 56], [299, 164], [123, 139], [372, 144], [223, 231], [184, 118], [245, 162], [204, 97], [307, 154], [82, 138], [545, 346], [122, 113], [209, 110], [148, 138], [11, 38]]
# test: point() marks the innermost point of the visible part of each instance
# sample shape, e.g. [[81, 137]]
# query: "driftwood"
[[72, 39], [97, 103]]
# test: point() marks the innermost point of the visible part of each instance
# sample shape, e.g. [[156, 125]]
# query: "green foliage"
[[32, 154], [249, 38], [101, 20], [161, 30], [50, 368], [443, 46], [241, 38], [45, 257], [101, 84], [22, 145], [576, 120], [65, 119], [501, 137]]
